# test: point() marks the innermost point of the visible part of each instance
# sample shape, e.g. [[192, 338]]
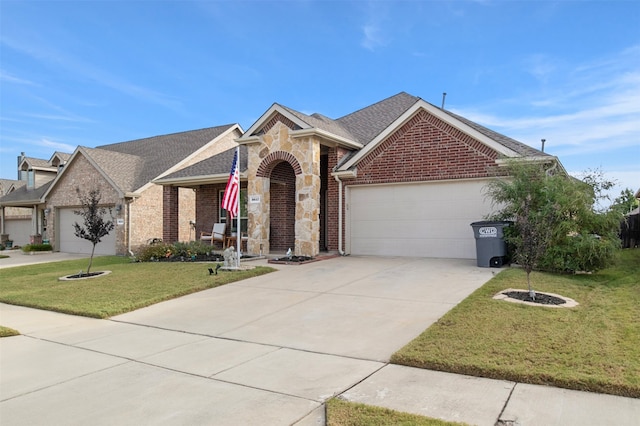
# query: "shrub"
[[161, 250], [37, 247], [155, 251]]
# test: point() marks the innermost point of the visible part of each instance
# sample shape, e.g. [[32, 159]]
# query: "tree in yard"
[[95, 226], [522, 198], [556, 224], [626, 202]]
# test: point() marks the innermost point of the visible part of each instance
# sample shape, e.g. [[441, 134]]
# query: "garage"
[[69, 243], [427, 219]]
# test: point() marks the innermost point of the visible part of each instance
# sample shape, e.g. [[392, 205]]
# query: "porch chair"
[[216, 234]]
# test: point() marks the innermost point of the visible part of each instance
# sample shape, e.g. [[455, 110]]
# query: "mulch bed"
[[300, 260], [541, 298]]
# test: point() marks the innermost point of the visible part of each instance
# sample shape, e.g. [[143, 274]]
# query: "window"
[[31, 179], [244, 219]]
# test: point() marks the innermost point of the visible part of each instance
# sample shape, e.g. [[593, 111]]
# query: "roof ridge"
[[169, 134], [402, 93], [507, 141]]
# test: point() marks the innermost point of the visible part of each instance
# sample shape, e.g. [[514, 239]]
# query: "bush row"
[[163, 250]]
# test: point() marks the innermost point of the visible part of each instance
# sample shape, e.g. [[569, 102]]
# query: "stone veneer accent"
[[303, 154]]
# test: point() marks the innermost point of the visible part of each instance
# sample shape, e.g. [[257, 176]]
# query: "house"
[[401, 177], [123, 173], [21, 218]]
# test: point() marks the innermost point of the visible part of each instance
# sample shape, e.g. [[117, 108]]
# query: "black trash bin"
[[491, 248]]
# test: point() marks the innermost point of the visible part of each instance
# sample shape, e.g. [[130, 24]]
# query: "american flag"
[[230, 198]]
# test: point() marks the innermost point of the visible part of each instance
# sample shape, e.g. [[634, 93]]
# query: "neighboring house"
[[123, 172], [15, 222], [398, 178], [22, 218]]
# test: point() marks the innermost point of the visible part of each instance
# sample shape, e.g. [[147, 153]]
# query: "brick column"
[[170, 214]]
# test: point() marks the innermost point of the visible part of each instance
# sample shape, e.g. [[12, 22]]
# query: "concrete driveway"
[[268, 350]]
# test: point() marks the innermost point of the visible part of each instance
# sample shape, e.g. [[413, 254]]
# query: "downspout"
[[337, 178], [128, 204]]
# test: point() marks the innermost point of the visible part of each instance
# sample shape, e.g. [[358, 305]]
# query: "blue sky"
[[97, 72]]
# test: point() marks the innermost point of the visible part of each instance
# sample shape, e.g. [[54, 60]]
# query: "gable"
[[81, 173], [274, 120], [427, 148]]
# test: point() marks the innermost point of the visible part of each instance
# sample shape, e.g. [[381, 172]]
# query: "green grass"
[[130, 286], [344, 413], [8, 332], [593, 347]]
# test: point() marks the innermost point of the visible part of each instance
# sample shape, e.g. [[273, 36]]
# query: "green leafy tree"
[[625, 203], [95, 226], [558, 225], [522, 200]]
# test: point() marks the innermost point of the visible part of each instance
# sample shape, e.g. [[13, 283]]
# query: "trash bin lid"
[[492, 223]]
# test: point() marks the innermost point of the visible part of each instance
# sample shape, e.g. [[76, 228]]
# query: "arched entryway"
[[282, 217]]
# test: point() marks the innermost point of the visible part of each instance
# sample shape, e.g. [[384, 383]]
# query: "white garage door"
[[69, 243], [421, 219], [19, 230]]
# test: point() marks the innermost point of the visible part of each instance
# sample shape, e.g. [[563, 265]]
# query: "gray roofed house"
[[123, 172], [400, 177]]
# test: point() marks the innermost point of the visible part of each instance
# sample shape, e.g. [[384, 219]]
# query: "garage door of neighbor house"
[[418, 219], [69, 243]]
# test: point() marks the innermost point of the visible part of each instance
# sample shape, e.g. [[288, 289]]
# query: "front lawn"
[[592, 347], [8, 332], [130, 286], [344, 413]]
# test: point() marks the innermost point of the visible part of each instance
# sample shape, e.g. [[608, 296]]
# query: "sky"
[[97, 72]]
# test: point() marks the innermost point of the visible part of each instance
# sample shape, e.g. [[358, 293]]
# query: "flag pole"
[[238, 231]]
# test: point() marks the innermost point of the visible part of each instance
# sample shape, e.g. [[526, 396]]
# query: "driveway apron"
[[267, 350]]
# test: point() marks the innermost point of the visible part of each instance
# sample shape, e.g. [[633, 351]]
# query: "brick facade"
[[283, 204], [424, 149], [81, 174]]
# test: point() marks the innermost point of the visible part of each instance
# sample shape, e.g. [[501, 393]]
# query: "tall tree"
[[95, 226], [626, 202]]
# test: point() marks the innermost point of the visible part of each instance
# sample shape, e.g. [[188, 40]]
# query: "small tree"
[[523, 202], [95, 226], [557, 224]]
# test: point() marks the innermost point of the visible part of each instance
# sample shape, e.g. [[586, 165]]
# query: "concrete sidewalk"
[[270, 350]]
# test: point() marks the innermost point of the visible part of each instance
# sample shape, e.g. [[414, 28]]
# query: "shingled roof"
[[367, 123], [364, 125], [143, 160], [213, 166], [514, 145], [22, 195]]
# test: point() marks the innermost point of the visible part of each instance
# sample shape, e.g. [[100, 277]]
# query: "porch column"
[[34, 220], [2, 220], [170, 214]]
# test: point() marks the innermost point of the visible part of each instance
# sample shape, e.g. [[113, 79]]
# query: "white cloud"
[[57, 146], [68, 63], [5, 76], [373, 37], [595, 109], [374, 34]]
